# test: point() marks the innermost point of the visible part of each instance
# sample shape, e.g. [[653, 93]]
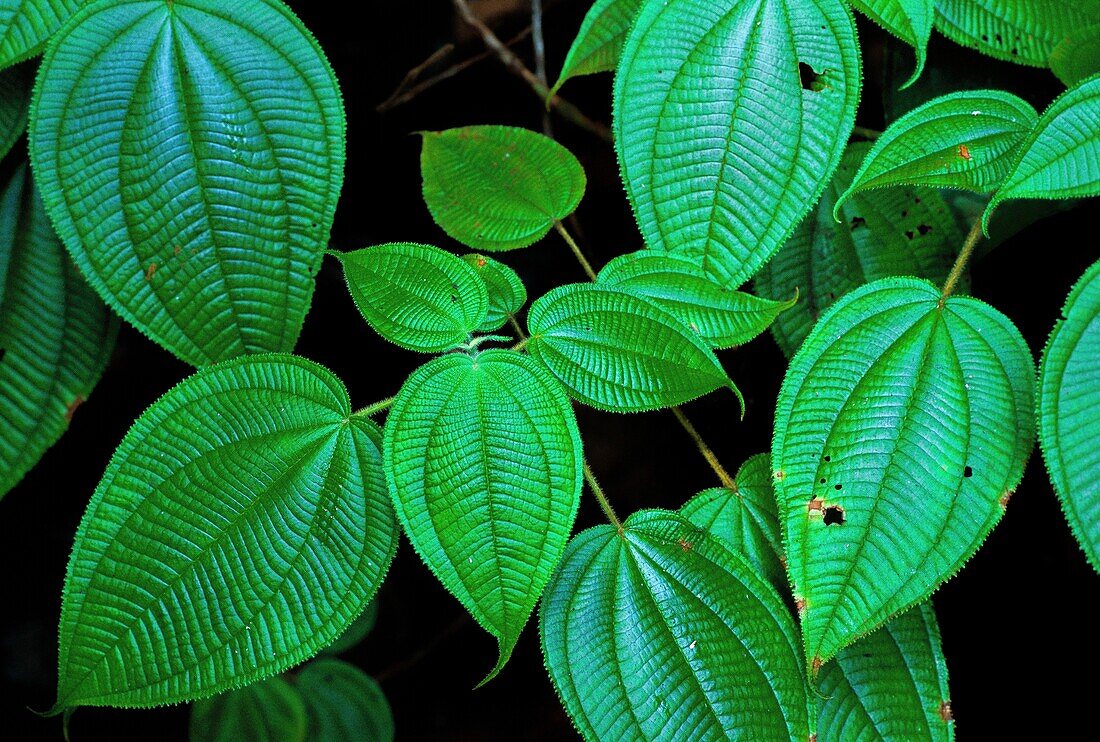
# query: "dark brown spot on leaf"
[[945, 712]]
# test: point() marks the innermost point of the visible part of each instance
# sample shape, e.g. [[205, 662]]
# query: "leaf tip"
[[506, 644]]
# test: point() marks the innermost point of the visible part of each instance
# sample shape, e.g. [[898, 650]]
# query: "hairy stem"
[[605, 505], [374, 409], [723, 476], [576, 250], [865, 133], [957, 269], [566, 109]]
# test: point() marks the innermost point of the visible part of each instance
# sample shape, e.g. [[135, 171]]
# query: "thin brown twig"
[[563, 107]]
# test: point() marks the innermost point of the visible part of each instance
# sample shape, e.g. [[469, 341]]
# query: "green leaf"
[[241, 526], [343, 703], [1061, 156], [616, 351], [268, 711], [909, 20], [355, 633], [599, 40], [700, 89], [498, 187], [745, 519], [1077, 56], [962, 140], [26, 26], [15, 93], [1022, 31], [483, 458], [1069, 411], [660, 632], [199, 211], [416, 296], [55, 334], [889, 686], [507, 294], [901, 429], [721, 317], [885, 232]]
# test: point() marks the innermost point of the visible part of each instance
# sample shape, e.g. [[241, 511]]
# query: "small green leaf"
[[720, 316], [1077, 56], [507, 294], [344, 704], [55, 334], [498, 187], [904, 231], [1061, 156], [599, 40], [26, 26], [416, 296], [661, 633], [889, 686], [699, 94], [1021, 31], [909, 20], [268, 711], [901, 429], [483, 458], [355, 633], [15, 95], [190, 155], [241, 526], [962, 140], [745, 519], [1069, 411], [619, 352]]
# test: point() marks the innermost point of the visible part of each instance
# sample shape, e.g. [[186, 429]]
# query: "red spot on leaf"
[[964, 152], [150, 271]]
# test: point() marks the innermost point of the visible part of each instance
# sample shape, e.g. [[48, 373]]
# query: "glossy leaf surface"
[[416, 296], [190, 155], [26, 26], [617, 351], [483, 458], [663, 633], [498, 187], [1069, 411], [599, 40], [698, 93], [507, 294], [721, 317], [56, 336], [909, 20], [241, 526], [900, 432]]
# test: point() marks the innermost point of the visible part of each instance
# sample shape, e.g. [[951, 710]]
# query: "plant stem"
[[576, 251], [520, 345], [513, 64], [952, 281], [863, 131], [516, 326], [602, 498], [723, 476], [374, 409]]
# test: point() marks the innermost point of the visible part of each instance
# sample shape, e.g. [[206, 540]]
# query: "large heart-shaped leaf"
[[56, 336], [889, 686], [699, 90], [962, 140], [241, 526], [343, 704], [722, 317], [659, 632], [902, 427], [190, 155], [745, 518], [417, 296], [909, 20], [271, 710], [498, 187], [1069, 411], [617, 351], [15, 93], [26, 26], [1077, 56], [905, 231], [1022, 31], [599, 40], [483, 457], [1061, 156], [507, 294]]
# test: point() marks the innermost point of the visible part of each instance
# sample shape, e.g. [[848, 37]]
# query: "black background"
[[1017, 623]]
